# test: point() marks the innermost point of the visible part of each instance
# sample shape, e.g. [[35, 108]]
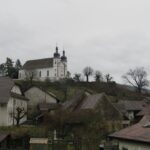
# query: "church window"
[[48, 73], [55, 74], [40, 74]]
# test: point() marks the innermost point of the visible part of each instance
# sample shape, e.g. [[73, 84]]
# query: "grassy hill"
[[65, 90]]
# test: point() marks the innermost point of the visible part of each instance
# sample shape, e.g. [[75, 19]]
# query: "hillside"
[[65, 90]]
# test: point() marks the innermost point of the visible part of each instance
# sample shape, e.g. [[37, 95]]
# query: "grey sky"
[[108, 35]]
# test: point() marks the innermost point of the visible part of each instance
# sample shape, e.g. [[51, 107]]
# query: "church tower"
[[56, 54], [63, 57]]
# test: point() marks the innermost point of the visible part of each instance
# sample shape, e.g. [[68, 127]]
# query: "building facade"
[[11, 98], [54, 68], [38, 96]]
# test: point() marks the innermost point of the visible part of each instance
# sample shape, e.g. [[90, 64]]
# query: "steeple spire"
[[63, 57], [56, 54]]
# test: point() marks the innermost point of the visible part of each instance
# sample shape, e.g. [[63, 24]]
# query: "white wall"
[[6, 111], [58, 71], [37, 96], [16, 89], [11, 108], [133, 145]]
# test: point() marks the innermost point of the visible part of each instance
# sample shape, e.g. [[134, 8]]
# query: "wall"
[[36, 96], [3, 114], [58, 71], [11, 108], [133, 145], [16, 89]]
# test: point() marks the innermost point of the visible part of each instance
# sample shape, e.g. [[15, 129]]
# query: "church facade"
[[54, 68]]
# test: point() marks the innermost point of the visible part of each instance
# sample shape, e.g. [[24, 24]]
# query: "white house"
[[11, 98], [38, 97], [54, 68]]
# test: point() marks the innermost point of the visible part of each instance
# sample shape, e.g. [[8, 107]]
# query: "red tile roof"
[[138, 132]]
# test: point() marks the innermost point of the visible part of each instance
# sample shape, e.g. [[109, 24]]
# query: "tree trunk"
[[87, 78]]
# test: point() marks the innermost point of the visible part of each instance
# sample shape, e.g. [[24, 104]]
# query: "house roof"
[[81, 101], [139, 132], [145, 111], [48, 106], [6, 85], [73, 103], [91, 101], [126, 105], [38, 63]]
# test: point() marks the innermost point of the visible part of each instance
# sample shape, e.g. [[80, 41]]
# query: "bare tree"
[[88, 71], [98, 76], [108, 78], [77, 77], [137, 78], [18, 114]]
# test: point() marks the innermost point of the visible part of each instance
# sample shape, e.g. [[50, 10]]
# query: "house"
[[130, 109], [11, 98], [135, 137], [84, 101], [54, 68], [39, 98]]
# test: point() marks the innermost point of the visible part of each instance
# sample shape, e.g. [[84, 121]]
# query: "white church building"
[[54, 68]]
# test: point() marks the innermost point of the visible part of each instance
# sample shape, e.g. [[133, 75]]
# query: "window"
[[47, 73], [40, 74]]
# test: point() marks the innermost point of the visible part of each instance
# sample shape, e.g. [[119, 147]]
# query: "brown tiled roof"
[[6, 85], [126, 105], [145, 111], [38, 63], [75, 101], [139, 132], [91, 101], [48, 106]]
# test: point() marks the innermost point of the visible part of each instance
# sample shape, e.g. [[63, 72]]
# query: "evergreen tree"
[[2, 69], [9, 67], [18, 65]]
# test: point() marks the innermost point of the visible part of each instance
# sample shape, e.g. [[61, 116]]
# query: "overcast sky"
[[108, 35]]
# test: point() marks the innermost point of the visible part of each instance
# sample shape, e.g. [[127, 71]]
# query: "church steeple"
[[56, 54], [63, 57]]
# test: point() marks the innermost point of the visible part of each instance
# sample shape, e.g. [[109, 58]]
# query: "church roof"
[[38, 63]]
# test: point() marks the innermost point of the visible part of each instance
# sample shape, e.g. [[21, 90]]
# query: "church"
[[54, 68]]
